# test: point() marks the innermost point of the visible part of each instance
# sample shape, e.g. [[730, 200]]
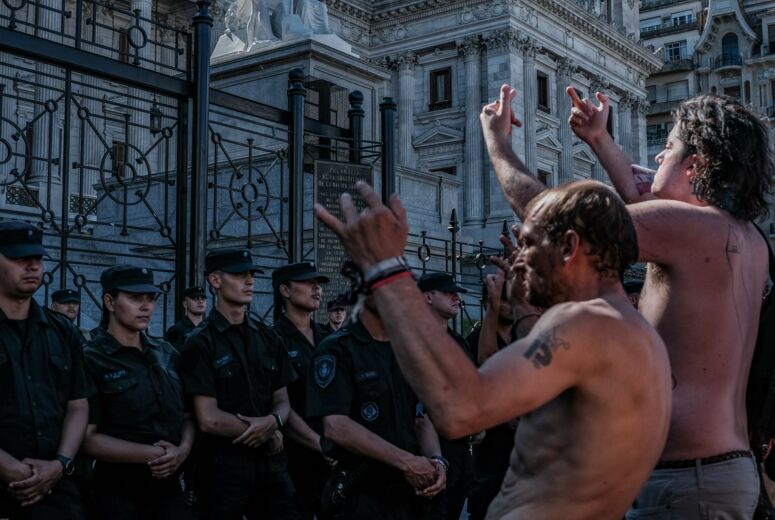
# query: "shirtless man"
[[591, 380], [706, 273]]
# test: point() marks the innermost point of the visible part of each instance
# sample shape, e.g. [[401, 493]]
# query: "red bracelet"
[[393, 277]]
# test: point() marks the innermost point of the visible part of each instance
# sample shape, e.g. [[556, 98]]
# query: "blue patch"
[[325, 369], [223, 360], [294, 353], [116, 374], [370, 411], [366, 376], [419, 411]]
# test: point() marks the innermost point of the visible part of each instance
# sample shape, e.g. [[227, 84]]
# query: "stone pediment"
[[547, 139], [439, 135], [718, 10], [581, 152]]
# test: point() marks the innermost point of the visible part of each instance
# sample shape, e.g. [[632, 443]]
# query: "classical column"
[[90, 154], [139, 104], [565, 70], [45, 131], [528, 48], [473, 166], [640, 145], [599, 84], [406, 64], [625, 115]]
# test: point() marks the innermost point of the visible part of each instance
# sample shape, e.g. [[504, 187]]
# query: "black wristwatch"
[[67, 464], [279, 419]]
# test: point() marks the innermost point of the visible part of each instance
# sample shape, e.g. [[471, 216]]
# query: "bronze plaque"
[[331, 180]]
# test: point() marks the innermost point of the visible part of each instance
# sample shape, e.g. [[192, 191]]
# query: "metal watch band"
[[376, 271]]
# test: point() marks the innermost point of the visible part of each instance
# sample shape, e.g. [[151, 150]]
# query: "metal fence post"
[[296, 96], [454, 227], [388, 116], [356, 115], [203, 23]]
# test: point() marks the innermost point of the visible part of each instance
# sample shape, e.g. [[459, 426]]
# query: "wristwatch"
[[441, 460], [67, 464], [279, 419]]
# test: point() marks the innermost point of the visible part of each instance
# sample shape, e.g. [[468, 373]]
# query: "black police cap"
[[439, 282], [128, 278], [340, 302], [65, 296], [230, 260], [194, 291], [19, 239], [298, 272]]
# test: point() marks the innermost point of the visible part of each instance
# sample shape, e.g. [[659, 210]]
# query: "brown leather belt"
[[690, 463]]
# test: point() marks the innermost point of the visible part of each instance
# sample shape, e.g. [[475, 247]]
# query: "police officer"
[[194, 308], [68, 302], [43, 388], [297, 295], [443, 296], [390, 464], [138, 430], [337, 313], [237, 369]]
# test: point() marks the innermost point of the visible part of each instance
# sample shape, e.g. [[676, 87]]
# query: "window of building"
[[650, 24], [729, 45], [678, 90], [123, 47], [651, 93], [770, 47], [732, 91], [441, 89], [682, 18], [542, 81], [545, 177], [449, 170], [118, 158], [675, 51]]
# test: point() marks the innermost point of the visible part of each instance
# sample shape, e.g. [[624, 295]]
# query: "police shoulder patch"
[[325, 369]]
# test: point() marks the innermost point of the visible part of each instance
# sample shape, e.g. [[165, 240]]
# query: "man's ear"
[[428, 297], [691, 168], [569, 246], [214, 280]]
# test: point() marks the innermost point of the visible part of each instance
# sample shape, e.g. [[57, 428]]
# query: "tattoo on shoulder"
[[542, 350]]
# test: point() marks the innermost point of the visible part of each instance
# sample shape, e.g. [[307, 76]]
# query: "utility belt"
[[367, 477]]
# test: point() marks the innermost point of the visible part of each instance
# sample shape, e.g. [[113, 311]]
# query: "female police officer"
[[138, 430]]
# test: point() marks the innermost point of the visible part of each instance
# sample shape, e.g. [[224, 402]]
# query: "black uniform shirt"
[[239, 365], [355, 375], [176, 335], [41, 369], [300, 351], [139, 396]]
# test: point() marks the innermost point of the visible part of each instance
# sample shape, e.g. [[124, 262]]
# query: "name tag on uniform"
[[116, 374], [223, 361], [366, 376], [294, 353]]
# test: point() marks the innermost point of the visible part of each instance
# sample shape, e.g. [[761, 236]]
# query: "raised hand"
[[587, 120], [497, 118], [377, 233]]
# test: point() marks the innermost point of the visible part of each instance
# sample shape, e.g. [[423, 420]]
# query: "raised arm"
[[589, 122], [460, 399], [518, 183]]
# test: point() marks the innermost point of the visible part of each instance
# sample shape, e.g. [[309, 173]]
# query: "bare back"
[[587, 452], [704, 298]]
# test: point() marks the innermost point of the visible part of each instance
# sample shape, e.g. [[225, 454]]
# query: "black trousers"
[[64, 503], [386, 500], [130, 492], [309, 474], [258, 487], [491, 460]]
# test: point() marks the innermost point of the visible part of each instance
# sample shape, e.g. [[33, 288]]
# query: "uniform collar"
[[358, 330], [35, 315], [221, 323], [110, 345]]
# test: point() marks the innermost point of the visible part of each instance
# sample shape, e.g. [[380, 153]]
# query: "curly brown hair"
[[597, 214], [734, 166]]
